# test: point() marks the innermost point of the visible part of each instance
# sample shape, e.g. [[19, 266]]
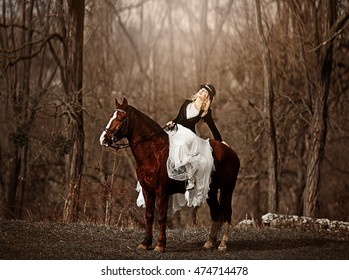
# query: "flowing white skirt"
[[190, 157]]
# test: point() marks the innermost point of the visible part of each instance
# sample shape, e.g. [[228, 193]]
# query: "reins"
[[119, 146]]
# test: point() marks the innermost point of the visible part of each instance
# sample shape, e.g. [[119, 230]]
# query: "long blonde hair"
[[204, 105]]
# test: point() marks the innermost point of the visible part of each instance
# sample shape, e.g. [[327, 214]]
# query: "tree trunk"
[[273, 190], [204, 38], [74, 77], [19, 96], [172, 56], [319, 118]]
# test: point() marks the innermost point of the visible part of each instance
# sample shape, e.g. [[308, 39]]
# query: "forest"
[[280, 69]]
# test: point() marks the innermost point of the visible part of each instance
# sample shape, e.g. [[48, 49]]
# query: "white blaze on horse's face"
[[102, 137]]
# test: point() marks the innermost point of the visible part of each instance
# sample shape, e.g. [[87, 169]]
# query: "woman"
[[190, 157]]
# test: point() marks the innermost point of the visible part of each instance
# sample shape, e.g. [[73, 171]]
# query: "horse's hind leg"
[[150, 207], [213, 203], [226, 212]]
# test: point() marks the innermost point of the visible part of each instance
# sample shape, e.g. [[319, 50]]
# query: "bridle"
[[124, 124], [114, 139]]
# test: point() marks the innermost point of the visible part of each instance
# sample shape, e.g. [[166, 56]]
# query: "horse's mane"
[[149, 121]]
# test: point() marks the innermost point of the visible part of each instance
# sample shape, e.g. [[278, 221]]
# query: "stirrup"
[[190, 185]]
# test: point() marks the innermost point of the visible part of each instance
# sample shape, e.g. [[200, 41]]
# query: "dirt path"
[[40, 241]]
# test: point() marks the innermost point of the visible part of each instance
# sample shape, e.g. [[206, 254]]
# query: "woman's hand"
[[225, 143], [170, 125]]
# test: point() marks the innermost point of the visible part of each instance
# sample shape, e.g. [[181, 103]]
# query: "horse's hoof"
[[142, 247], [159, 249], [222, 247], [208, 245]]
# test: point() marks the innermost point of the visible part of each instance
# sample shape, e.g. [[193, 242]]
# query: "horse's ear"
[[124, 102], [117, 104]]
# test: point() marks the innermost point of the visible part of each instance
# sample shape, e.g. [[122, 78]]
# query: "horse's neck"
[[142, 134]]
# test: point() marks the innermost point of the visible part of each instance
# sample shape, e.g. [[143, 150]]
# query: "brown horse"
[[150, 147]]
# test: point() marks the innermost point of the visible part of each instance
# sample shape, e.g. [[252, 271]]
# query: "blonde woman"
[[190, 157]]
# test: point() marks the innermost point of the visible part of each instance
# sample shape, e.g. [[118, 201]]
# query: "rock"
[[247, 223]]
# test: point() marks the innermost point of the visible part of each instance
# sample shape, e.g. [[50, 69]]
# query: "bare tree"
[[25, 36], [329, 28], [18, 63], [273, 189], [74, 97], [172, 53]]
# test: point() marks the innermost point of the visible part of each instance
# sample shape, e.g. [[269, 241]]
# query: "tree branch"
[[32, 55], [218, 33], [341, 24], [130, 39]]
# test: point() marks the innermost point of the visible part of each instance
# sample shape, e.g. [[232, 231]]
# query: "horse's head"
[[116, 127]]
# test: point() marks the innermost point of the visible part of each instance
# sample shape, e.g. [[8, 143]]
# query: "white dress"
[[190, 157]]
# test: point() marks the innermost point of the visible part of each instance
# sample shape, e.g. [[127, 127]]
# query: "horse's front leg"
[[149, 216], [162, 202], [223, 245], [215, 228]]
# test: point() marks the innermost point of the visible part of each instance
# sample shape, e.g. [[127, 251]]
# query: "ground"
[[21, 240]]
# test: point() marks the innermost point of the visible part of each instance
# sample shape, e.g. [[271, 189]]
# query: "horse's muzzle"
[[103, 139]]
